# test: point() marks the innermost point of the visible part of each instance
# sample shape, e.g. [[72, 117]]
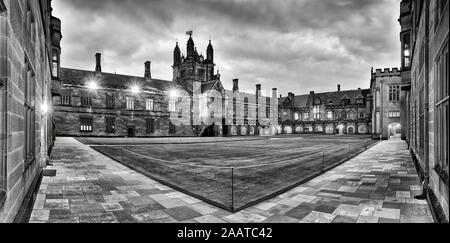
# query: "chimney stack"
[[258, 90], [339, 87], [274, 93], [98, 61], [236, 85], [148, 71]]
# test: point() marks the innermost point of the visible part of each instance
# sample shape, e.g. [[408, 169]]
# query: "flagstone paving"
[[377, 186]]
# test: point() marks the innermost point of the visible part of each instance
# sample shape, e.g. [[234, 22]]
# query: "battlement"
[[386, 72]]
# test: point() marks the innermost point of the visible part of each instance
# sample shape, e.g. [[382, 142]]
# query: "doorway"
[[395, 130], [131, 131]]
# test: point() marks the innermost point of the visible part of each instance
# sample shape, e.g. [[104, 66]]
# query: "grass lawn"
[[237, 173]]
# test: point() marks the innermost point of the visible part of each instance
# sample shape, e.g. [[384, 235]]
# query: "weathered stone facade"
[[340, 112], [25, 88], [387, 108], [194, 103], [425, 32]]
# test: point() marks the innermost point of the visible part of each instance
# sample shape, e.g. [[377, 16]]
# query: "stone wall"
[[15, 47]]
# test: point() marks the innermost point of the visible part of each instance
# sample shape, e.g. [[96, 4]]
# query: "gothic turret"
[[190, 47], [176, 56], [210, 53]]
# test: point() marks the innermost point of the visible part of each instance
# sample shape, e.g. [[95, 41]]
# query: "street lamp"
[[135, 89], [44, 108], [92, 85]]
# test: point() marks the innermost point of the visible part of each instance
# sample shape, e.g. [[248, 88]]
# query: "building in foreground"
[[193, 103], [339, 112], [425, 58], [26, 49]]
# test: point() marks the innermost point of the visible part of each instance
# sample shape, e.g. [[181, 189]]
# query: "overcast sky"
[[293, 45]]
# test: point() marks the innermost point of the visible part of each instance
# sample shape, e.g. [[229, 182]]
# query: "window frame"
[[110, 101], [131, 103], [150, 125], [150, 104], [110, 124], [66, 97], [442, 113], [86, 124], [29, 149], [86, 99]]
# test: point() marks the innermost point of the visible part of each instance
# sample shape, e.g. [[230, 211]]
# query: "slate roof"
[[118, 81], [327, 98]]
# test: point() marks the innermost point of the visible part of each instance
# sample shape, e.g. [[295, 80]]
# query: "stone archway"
[[394, 130], [288, 130], [340, 129], [234, 131], [351, 130], [362, 129], [299, 129], [329, 129], [243, 131]]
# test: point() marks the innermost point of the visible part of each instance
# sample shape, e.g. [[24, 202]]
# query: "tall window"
[[130, 103], [351, 115], [3, 171], [30, 115], [66, 97], [329, 115], [55, 65], [246, 111], [421, 121], [442, 119], [86, 99], [362, 115], [172, 106], [86, 124], [343, 115], [150, 125], [31, 25], [110, 124], [296, 116], [305, 116], [317, 112], [149, 104], [110, 102], [234, 111], [394, 93]]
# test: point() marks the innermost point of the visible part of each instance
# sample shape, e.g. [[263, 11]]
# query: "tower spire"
[[190, 45]]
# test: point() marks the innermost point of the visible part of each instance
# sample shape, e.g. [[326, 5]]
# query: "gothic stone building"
[[194, 103], [388, 100], [340, 112], [28, 36], [425, 76]]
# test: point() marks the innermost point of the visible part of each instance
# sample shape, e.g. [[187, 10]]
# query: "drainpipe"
[[426, 147]]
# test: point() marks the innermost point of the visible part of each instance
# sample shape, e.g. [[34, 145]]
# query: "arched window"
[[343, 115]]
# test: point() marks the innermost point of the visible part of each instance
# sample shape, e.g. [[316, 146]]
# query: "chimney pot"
[[235, 85], [148, 71], [339, 87], [98, 61]]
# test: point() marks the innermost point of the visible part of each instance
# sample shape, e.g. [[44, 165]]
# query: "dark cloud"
[[296, 45]]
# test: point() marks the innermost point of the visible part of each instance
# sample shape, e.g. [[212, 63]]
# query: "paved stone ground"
[[377, 186]]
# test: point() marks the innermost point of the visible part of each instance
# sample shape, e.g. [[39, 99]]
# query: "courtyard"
[[238, 172], [377, 185]]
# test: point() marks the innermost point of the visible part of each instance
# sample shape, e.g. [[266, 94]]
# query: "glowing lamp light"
[[135, 89], [92, 85], [44, 108], [173, 93]]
